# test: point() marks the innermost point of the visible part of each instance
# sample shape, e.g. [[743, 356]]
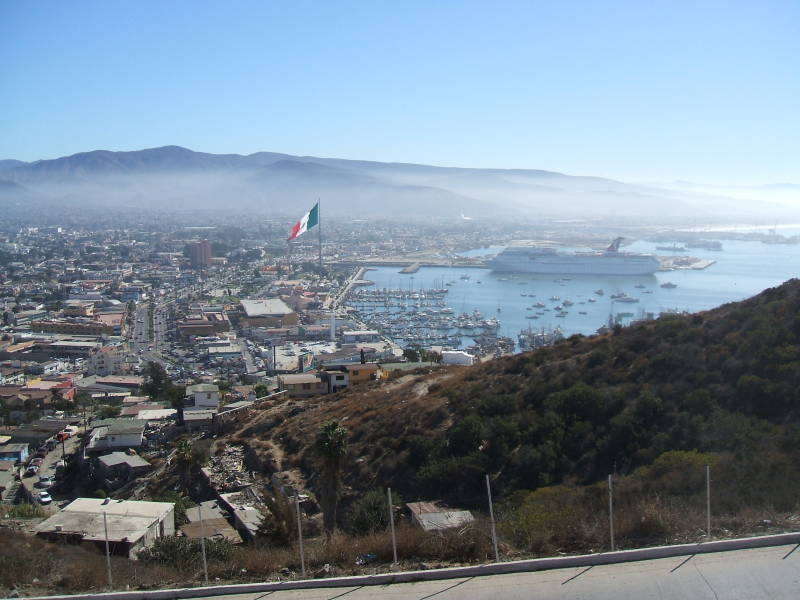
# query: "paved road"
[[49, 468], [763, 573]]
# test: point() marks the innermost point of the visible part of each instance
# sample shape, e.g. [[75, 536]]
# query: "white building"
[[105, 361], [132, 524], [361, 335], [204, 395], [116, 434], [457, 357]]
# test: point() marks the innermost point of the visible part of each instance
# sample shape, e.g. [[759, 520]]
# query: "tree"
[[331, 446], [175, 395], [186, 459], [156, 380]]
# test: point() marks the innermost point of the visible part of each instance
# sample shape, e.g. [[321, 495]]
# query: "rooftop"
[[201, 387], [127, 520], [300, 378], [120, 458], [270, 307]]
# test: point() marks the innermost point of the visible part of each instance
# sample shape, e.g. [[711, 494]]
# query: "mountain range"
[[269, 182]]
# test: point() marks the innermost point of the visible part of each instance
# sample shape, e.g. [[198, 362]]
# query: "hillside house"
[[132, 524], [204, 396], [303, 385]]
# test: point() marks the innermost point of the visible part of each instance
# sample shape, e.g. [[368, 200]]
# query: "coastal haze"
[[267, 182]]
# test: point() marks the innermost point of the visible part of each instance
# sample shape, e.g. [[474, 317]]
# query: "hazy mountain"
[[180, 178], [10, 164]]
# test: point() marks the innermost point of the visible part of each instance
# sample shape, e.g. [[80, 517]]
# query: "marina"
[[447, 306]]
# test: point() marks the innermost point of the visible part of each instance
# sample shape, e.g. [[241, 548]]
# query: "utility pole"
[[300, 534], [202, 542], [708, 502], [108, 552], [611, 511], [491, 517], [391, 524]]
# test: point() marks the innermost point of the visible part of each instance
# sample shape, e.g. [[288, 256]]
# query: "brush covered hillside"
[[725, 383]]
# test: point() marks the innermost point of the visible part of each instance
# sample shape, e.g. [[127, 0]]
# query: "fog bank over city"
[[177, 178]]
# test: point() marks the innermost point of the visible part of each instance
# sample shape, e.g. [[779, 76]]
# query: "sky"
[[649, 91]]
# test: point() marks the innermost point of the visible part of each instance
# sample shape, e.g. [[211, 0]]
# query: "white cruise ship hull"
[[610, 263]]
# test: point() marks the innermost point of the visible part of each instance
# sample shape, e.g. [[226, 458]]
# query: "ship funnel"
[[614, 247]]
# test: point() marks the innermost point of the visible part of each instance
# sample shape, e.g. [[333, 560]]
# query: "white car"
[[45, 498]]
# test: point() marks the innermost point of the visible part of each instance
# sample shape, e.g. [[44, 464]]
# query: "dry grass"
[[37, 567]]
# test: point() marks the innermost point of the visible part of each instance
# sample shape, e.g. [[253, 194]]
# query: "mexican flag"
[[309, 220]]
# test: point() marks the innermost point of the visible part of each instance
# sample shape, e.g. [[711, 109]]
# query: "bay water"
[[741, 270]]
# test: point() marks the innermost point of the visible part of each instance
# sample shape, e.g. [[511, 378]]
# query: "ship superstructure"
[[528, 257]]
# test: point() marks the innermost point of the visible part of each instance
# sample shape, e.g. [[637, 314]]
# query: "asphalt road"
[[48, 468], [762, 573]]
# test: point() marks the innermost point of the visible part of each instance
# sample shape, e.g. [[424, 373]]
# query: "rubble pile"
[[226, 471]]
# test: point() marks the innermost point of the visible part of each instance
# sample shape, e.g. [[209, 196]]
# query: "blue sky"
[[705, 91]]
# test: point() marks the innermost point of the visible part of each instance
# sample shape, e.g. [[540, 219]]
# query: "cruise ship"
[[531, 258]]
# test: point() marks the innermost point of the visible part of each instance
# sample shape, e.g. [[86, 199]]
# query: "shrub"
[[185, 553], [371, 512]]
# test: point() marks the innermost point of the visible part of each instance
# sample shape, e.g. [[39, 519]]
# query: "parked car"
[[45, 481], [36, 462], [62, 436], [44, 498], [31, 470]]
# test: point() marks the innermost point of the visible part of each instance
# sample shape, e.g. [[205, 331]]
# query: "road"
[[762, 573], [49, 468]]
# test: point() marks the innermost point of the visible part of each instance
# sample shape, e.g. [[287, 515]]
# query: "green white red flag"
[[309, 220]]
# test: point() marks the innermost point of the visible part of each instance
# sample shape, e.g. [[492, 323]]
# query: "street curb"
[[520, 566]]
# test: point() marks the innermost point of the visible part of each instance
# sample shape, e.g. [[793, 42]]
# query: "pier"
[[675, 263], [413, 268]]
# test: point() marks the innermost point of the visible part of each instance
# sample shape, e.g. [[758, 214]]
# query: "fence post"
[[611, 511], [491, 517], [300, 533], [108, 552], [391, 524], [202, 542], [708, 502]]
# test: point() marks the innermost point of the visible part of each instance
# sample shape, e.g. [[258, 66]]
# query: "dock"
[[413, 268], [676, 263]]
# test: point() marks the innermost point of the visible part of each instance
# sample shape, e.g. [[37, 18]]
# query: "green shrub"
[[184, 553]]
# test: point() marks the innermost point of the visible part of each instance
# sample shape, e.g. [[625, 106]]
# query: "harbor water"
[[521, 301]]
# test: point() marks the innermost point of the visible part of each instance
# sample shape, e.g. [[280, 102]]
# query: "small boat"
[[669, 285], [599, 292]]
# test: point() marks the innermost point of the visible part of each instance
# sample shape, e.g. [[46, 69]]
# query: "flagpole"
[[319, 233]]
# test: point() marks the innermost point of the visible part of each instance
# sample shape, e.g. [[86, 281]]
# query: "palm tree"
[[186, 459], [331, 446]]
